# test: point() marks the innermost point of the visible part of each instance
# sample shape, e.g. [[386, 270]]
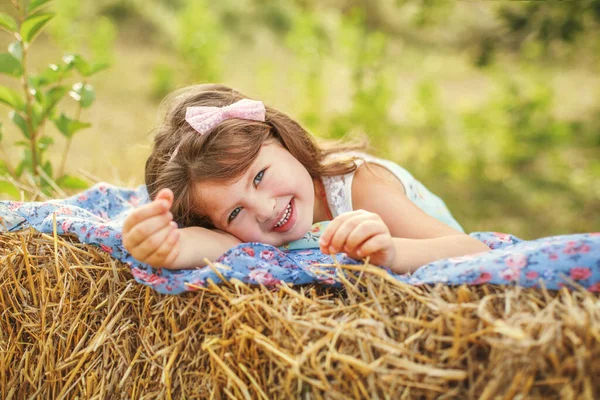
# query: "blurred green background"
[[494, 106]]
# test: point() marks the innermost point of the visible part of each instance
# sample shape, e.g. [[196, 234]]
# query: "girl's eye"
[[259, 177], [234, 214], [257, 180]]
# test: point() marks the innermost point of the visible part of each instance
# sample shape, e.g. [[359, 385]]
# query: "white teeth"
[[286, 216]]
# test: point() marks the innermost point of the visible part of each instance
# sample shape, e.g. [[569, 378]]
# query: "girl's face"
[[272, 203]]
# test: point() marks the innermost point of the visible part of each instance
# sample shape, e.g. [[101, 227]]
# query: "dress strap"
[[338, 191]]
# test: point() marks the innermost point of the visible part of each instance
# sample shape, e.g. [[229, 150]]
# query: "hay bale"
[[73, 323]]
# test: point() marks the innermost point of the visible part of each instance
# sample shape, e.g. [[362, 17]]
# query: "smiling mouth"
[[285, 217]]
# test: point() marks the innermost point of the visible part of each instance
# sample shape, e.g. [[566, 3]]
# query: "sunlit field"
[[510, 146]]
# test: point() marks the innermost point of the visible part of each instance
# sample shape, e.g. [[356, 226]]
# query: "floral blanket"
[[97, 214]]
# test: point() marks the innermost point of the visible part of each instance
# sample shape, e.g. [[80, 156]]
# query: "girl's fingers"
[[362, 233], [173, 255], [164, 254], [165, 194], [152, 242], [373, 245], [331, 228], [146, 228], [157, 207], [340, 236], [331, 231]]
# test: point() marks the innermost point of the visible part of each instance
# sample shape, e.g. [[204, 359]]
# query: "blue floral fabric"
[[96, 216]]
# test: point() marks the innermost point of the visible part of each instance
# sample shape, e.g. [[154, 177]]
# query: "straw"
[[74, 324]]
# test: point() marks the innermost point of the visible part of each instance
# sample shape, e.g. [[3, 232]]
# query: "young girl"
[[226, 169]]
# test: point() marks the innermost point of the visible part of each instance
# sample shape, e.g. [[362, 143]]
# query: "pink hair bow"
[[203, 119]]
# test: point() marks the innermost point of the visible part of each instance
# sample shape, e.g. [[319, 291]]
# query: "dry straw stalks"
[[74, 324]]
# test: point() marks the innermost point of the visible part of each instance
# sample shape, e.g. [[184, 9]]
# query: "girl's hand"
[[359, 234], [150, 234]]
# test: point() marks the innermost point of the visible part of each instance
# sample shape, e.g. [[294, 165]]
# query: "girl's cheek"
[[248, 231]]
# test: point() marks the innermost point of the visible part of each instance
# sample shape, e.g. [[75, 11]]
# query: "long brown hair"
[[227, 151]]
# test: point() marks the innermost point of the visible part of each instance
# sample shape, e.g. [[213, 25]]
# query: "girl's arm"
[[389, 228], [197, 244], [151, 236], [414, 253]]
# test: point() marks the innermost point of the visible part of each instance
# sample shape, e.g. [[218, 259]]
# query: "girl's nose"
[[265, 209]]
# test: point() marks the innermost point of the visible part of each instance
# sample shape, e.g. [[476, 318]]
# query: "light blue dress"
[[338, 190]]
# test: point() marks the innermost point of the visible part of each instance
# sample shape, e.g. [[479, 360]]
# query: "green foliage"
[[10, 65], [38, 103], [8, 23], [506, 160], [201, 49], [79, 24], [510, 161], [33, 25], [310, 41]]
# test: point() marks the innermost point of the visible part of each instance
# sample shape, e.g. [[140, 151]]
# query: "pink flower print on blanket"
[[515, 263], [509, 274], [14, 205], [66, 225], [595, 288], [483, 278], [64, 211], [499, 240], [106, 248], [531, 275], [267, 255], [579, 273], [576, 248], [502, 237], [248, 250], [150, 279], [263, 277]]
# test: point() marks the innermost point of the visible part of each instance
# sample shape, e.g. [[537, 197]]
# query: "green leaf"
[[50, 75], [37, 114], [33, 25], [45, 142], [20, 122], [11, 98], [16, 49], [53, 96], [0, 131], [72, 182], [98, 67], [73, 59], [47, 168], [83, 93], [25, 163], [79, 63], [8, 23], [8, 188], [10, 65], [70, 59], [36, 4], [68, 127], [82, 66], [37, 94]]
